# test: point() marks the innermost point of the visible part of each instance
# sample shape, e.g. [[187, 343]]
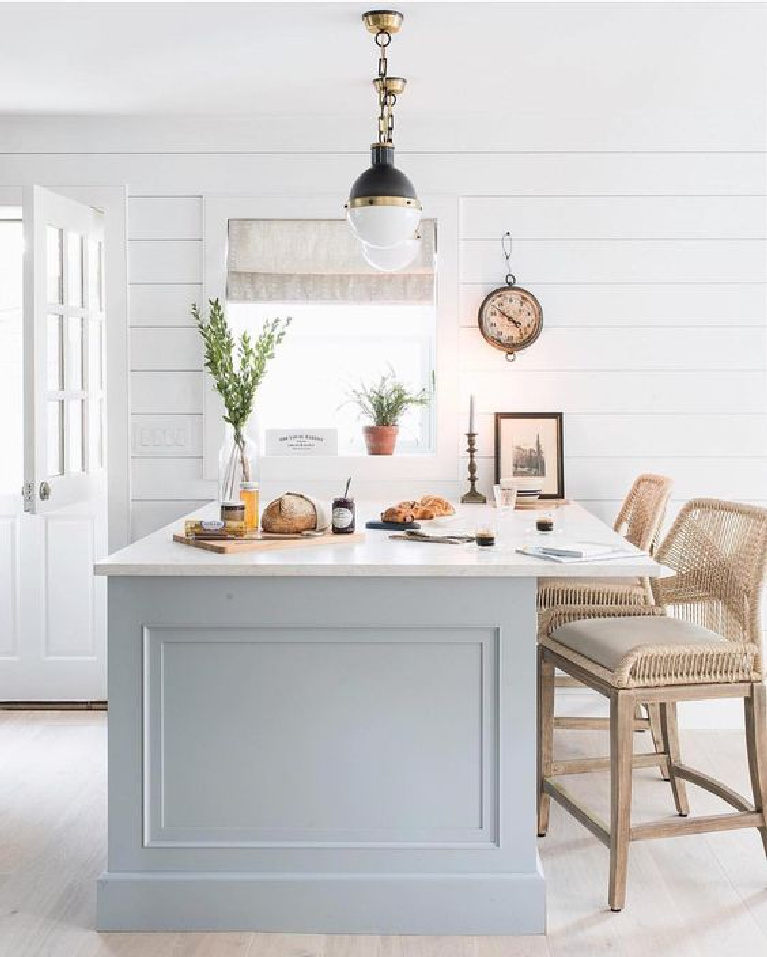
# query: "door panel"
[[9, 577], [52, 610], [63, 350]]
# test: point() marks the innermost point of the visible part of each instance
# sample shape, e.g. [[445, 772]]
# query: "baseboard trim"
[[454, 904]]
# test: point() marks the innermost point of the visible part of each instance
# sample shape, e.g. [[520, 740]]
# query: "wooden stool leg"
[[670, 733], [545, 736], [658, 741], [621, 755], [755, 708]]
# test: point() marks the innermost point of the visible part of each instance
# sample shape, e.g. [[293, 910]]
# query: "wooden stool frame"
[[622, 760]]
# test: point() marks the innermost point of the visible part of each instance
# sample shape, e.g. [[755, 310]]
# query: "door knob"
[[45, 491]]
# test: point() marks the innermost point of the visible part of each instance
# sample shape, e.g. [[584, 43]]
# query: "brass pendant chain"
[[386, 98]]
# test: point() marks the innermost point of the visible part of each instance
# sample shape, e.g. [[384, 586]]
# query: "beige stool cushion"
[[607, 641]]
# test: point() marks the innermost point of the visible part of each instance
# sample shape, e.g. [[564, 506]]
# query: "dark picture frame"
[[529, 451]]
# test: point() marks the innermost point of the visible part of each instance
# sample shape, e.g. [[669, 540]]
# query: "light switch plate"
[[171, 436]]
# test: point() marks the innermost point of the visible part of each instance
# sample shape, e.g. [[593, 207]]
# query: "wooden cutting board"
[[237, 546]]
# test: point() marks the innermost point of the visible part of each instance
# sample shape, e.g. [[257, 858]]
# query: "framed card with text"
[[530, 446]]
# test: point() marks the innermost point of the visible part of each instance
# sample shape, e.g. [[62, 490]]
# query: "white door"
[[52, 610]]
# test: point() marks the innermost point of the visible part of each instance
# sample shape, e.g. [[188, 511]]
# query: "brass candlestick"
[[473, 496]]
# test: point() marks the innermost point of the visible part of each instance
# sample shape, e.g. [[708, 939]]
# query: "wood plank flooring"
[[688, 897]]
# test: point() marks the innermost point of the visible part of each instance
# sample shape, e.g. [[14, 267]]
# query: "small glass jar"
[[343, 516], [249, 493], [232, 512]]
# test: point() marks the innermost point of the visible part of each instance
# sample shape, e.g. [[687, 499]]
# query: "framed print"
[[529, 445]]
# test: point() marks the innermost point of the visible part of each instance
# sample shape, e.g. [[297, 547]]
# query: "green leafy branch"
[[237, 366]]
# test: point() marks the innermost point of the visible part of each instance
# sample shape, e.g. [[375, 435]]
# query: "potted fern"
[[237, 368], [384, 403]]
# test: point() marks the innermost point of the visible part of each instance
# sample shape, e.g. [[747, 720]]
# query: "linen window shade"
[[319, 260]]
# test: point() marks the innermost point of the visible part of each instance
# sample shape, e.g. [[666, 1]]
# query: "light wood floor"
[[690, 897]]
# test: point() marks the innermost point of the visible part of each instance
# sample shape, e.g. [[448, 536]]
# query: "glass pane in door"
[[95, 296], [74, 360], [55, 354], [55, 438], [96, 434], [95, 357], [74, 269], [55, 265], [75, 448]]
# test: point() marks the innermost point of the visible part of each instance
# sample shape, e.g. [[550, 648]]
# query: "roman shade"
[[319, 260]]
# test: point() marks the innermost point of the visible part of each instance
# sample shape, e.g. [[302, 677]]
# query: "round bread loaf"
[[290, 513]]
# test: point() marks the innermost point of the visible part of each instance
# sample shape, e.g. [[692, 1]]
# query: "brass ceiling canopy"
[[390, 84], [382, 21]]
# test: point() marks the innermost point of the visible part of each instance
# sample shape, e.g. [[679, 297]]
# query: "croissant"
[[440, 506], [422, 512], [397, 514]]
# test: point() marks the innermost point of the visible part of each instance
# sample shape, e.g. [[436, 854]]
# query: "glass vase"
[[237, 463]]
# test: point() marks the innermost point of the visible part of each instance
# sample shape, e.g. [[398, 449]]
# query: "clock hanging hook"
[[511, 279]]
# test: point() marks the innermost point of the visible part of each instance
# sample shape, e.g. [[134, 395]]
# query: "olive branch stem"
[[237, 367]]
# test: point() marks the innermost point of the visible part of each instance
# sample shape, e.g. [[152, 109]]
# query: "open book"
[[577, 552]]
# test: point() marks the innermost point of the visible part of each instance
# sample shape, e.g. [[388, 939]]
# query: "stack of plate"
[[529, 493]]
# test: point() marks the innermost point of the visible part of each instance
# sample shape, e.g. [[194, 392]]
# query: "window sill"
[[404, 465]]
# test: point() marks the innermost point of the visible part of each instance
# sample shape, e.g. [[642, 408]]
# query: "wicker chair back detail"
[[718, 551], [641, 514]]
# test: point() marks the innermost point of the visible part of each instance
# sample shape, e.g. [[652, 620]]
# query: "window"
[[351, 324]]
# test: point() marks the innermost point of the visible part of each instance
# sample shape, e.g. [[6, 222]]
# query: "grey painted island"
[[328, 739]]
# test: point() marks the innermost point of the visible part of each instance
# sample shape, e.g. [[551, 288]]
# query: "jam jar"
[[343, 516]]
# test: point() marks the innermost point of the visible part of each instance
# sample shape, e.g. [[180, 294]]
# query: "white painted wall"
[[654, 337], [650, 268]]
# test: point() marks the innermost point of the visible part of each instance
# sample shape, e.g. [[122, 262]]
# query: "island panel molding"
[[291, 692]]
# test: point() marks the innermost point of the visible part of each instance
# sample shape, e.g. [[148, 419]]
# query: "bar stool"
[[639, 521], [700, 641]]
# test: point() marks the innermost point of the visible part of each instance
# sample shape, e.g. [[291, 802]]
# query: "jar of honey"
[[249, 498]]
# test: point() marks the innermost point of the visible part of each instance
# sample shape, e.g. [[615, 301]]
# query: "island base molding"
[[469, 904]]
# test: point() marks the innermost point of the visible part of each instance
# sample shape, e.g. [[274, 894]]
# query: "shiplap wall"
[[651, 273], [650, 266]]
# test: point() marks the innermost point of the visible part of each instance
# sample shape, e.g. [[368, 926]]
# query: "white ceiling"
[[295, 58]]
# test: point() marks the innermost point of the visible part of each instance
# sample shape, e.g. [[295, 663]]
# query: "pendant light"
[[392, 258], [383, 208]]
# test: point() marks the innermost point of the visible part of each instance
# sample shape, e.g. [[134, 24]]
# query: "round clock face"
[[510, 318]]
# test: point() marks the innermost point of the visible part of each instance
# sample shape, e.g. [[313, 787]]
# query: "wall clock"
[[510, 318]]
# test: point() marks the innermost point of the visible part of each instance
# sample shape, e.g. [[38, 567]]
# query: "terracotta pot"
[[381, 439]]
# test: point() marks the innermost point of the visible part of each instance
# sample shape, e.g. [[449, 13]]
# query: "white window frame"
[[441, 464]]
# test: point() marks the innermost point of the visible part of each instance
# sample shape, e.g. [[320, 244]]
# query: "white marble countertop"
[[158, 555]]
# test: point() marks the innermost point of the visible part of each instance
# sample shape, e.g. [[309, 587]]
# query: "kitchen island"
[[332, 739]]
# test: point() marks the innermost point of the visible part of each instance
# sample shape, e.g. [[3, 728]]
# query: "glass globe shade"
[[391, 258], [383, 226]]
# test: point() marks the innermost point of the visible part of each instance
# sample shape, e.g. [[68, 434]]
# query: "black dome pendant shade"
[[382, 184]]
